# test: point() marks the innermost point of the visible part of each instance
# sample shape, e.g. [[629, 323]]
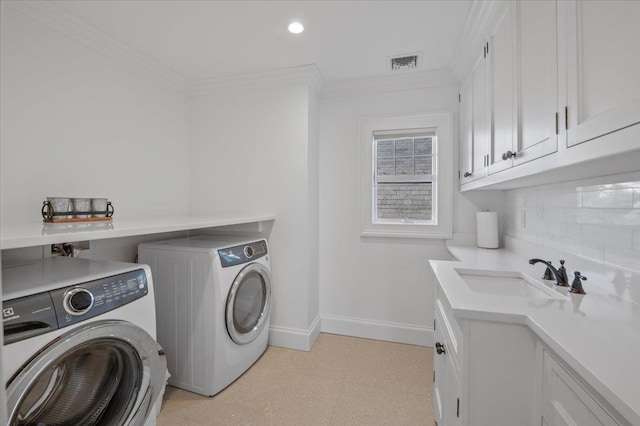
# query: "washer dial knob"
[[78, 301], [248, 252]]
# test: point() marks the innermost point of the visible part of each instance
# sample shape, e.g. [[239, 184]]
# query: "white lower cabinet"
[[501, 374], [446, 386], [565, 401], [485, 376]]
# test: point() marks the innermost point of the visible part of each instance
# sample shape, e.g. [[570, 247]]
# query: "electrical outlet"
[[523, 218]]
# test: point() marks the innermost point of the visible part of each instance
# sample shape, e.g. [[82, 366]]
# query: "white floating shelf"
[[29, 234]]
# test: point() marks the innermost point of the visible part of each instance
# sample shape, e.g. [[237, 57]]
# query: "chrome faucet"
[[559, 275]]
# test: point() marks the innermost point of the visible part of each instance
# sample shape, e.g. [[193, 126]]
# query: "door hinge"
[[557, 131], [487, 48], [458, 408], [459, 97], [566, 118], [484, 49], [434, 376]]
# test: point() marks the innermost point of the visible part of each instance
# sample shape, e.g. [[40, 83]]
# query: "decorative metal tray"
[[51, 216]]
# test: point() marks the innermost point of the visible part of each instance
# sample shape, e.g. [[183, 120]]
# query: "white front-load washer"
[[79, 344], [213, 299]]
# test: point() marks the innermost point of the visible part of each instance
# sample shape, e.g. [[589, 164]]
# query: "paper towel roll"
[[487, 229]]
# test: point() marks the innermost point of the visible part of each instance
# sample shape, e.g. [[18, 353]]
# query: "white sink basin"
[[501, 283]]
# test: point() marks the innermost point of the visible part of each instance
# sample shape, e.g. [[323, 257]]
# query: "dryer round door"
[[248, 303], [105, 373]]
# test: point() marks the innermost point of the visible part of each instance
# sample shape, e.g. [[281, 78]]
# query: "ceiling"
[[345, 39]]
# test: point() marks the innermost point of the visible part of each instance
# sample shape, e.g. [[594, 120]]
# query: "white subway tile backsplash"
[[562, 199], [597, 218], [610, 199], [621, 257], [590, 250], [571, 230], [609, 236], [590, 216], [624, 217], [570, 215]]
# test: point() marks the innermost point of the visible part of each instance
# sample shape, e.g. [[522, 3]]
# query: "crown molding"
[[473, 36], [56, 17], [308, 75], [390, 83]]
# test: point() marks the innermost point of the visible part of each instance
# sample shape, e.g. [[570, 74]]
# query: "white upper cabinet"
[[537, 79], [603, 66], [501, 65], [473, 123], [562, 89]]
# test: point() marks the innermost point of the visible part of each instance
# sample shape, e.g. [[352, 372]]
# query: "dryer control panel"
[[242, 254]]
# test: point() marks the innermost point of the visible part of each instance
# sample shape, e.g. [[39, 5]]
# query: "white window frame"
[[441, 123]]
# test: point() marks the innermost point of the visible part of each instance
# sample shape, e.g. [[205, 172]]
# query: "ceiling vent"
[[407, 62]]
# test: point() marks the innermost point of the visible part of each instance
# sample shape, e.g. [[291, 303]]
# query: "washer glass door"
[[247, 310], [106, 373]]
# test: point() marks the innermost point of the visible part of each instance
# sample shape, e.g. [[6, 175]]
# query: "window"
[[406, 176], [403, 177]]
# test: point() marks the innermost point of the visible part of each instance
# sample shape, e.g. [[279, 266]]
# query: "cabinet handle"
[[467, 174], [508, 155], [440, 348]]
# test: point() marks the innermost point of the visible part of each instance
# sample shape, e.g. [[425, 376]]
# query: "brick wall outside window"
[[404, 201]]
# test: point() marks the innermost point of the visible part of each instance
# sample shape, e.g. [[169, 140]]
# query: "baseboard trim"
[[378, 330], [295, 338]]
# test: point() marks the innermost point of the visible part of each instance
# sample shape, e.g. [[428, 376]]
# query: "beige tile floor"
[[342, 381]]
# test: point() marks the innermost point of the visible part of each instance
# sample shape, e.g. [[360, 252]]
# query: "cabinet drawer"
[[566, 402]]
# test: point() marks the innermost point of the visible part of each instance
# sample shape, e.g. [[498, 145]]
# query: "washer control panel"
[[77, 303], [242, 254], [28, 317]]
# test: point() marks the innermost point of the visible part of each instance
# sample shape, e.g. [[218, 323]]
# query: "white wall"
[[378, 287], [254, 152], [75, 122]]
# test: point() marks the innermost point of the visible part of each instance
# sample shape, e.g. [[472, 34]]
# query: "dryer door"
[[248, 303], [104, 373]]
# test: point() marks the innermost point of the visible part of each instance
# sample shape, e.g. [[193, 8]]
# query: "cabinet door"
[[603, 48], [479, 111], [451, 413], [501, 79], [565, 402], [439, 382], [537, 79], [446, 386], [471, 156]]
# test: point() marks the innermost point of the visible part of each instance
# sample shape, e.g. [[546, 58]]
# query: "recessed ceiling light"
[[295, 28]]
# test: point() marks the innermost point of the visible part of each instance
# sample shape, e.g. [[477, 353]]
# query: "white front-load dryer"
[[213, 298], [79, 344]]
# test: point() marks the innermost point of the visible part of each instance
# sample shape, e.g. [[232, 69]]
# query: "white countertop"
[[597, 334], [36, 233]]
